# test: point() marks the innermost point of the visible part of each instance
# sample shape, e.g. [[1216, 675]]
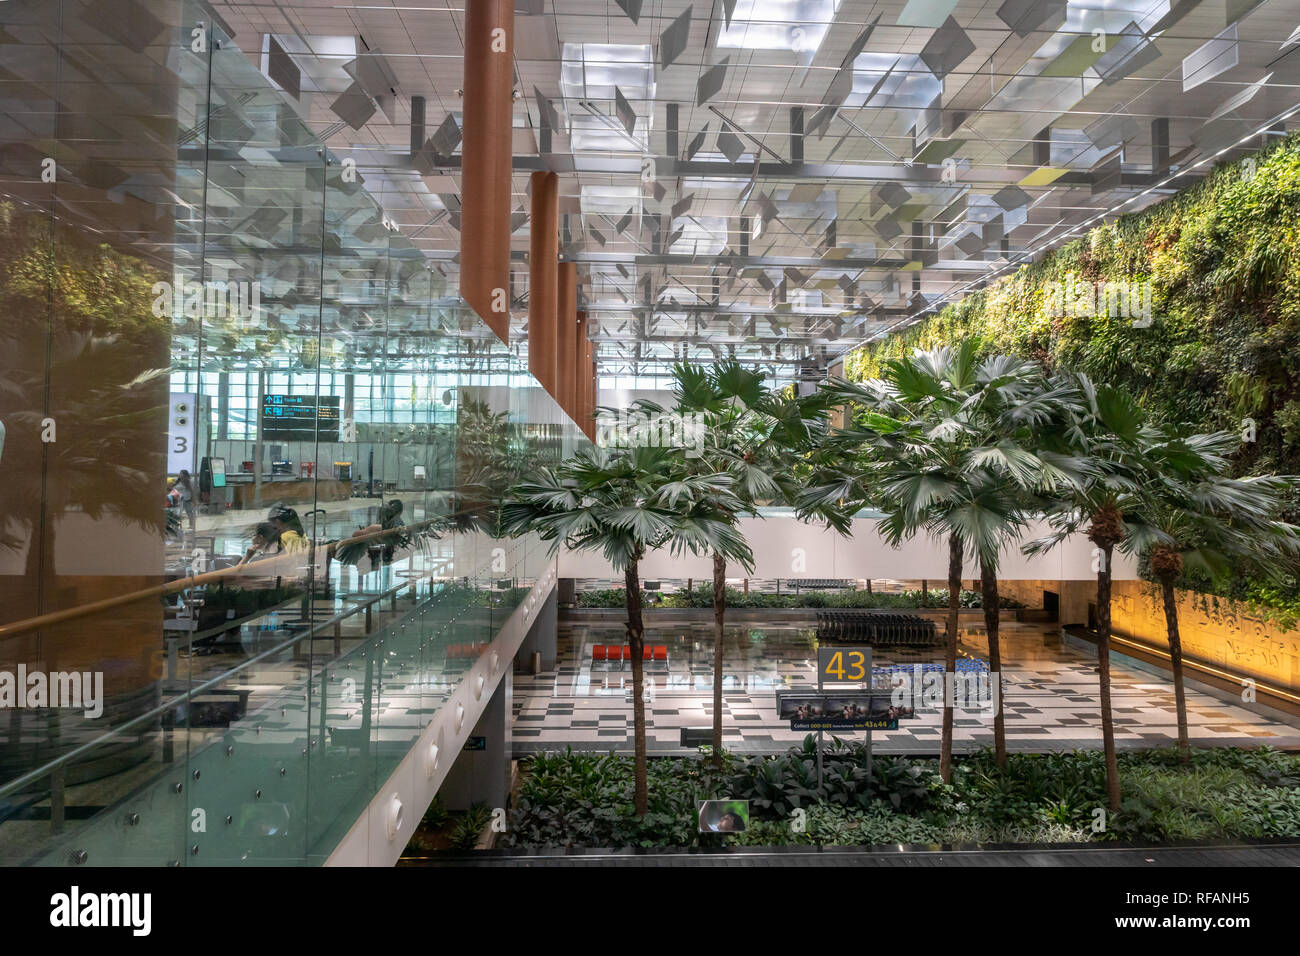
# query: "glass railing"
[[259, 648]]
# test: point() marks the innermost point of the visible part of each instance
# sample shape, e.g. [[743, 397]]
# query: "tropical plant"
[[755, 434], [946, 443], [626, 503], [1194, 521], [469, 827], [1122, 450]]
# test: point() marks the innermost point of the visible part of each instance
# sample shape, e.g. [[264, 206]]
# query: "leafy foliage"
[[465, 834], [582, 799], [1223, 260], [702, 597]]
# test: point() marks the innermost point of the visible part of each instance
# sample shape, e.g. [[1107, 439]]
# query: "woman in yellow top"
[[289, 529]]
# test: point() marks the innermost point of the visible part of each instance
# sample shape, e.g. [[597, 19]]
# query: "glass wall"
[[252, 450]]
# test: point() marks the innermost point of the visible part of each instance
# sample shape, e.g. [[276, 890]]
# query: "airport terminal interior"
[[443, 432]]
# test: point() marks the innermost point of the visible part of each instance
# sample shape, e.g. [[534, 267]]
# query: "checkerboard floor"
[[1050, 696]]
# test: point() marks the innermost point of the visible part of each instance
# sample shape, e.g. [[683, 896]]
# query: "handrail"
[[289, 559], [13, 786]]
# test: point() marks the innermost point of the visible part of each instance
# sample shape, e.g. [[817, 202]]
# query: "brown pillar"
[[581, 414], [543, 277], [486, 155], [590, 382], [566, 340]]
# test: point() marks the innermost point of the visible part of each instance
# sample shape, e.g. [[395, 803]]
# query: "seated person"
[[288, 528], [265, 541]]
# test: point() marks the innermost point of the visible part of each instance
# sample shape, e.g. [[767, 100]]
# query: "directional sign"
[[843, 665]]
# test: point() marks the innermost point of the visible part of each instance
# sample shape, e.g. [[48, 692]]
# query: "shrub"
[[701, 597], [465, 834], [582, 799]]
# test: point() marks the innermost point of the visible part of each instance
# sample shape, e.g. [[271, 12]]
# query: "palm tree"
[[753, 433], [1123, 451], [626, 503], [1196, 521], [947, 446]]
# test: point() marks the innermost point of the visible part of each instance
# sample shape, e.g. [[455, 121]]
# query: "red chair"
[[647, 652], [598, 652], [661, 652], [614, 652], [627, 652]]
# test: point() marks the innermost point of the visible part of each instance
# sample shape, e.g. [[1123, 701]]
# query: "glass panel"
[[277, 443]]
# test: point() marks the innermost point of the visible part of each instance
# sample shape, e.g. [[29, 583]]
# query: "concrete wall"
[[787, 548], [1074, 596]]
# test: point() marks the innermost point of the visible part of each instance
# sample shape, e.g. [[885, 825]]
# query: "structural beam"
[[487, 162]]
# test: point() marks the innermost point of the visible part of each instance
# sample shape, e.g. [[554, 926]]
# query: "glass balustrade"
[[201, 286]]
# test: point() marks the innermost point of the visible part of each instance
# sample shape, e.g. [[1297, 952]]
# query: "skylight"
[[701, 235], [911, 84], [796, 25], [592, 71], [612, 201]]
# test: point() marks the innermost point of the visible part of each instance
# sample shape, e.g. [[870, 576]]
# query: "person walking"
[[185, 485]]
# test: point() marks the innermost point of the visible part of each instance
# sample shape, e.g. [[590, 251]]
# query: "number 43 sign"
[[838, 665]]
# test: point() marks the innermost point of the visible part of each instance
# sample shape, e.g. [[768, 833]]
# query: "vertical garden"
[[1222, 260]]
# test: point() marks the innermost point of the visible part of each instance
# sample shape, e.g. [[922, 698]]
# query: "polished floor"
[[1050, 697]]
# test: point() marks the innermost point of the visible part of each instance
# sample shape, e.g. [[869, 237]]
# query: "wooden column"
[[566, 340], [581, 413], [590, 384], [486, 156], [543, 277]]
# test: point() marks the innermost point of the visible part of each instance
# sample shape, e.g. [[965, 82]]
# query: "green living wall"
[[1222, 260]]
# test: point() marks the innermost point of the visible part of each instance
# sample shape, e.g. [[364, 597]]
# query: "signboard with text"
[[839, 665], [181, 431], [300, 417], [842, 710]]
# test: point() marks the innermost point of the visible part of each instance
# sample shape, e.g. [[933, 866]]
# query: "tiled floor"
[[1049, 696]]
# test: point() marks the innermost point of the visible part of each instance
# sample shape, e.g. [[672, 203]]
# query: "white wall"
[[827, 554]]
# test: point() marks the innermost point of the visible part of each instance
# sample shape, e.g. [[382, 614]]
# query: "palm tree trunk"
[[989, 593], [1103, 675], [719, 613], [1176, 661], [950, 654], [636, 645]]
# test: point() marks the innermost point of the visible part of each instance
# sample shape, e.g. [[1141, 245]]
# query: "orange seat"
[[647, 652], [598, 652], [661, 652], [614, 652]]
